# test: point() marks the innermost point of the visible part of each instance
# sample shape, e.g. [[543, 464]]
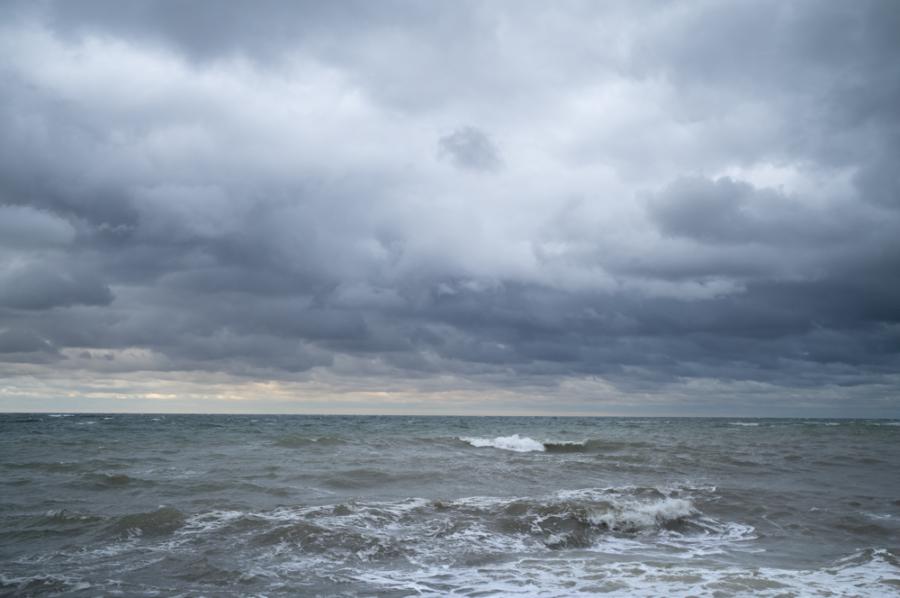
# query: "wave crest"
[[516, 443], [585, 518], [162, 521], [637, 516], [525, 444]]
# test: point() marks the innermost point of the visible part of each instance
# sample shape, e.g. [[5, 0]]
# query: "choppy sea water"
[[160, 505]]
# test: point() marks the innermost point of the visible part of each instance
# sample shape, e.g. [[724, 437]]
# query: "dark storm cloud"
[[726, 212], [683, 193], [210, 30], [469, 148], [22, 227], [19, 341], [43, 288]]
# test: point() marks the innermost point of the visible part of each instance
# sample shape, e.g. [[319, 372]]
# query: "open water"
[[215, 505]]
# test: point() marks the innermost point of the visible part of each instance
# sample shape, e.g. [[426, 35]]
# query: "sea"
[[392, 506]]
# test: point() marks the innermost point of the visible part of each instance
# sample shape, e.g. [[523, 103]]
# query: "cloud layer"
[[526, 207]]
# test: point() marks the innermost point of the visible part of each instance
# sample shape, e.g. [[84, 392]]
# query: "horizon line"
[[507, 415]]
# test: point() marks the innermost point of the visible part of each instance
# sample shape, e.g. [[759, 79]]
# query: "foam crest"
[[519, 444], [525, 444], [611, 520], [638, 516]]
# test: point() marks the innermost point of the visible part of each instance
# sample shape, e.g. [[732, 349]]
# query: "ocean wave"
[[525, 444], [419, 528], [339, 542], [52, 523], [66, 517], [582, 518], [516, 443], [473, 535], [565, 446], [45, 584], [162, 521], [637, 516], [111, 481]]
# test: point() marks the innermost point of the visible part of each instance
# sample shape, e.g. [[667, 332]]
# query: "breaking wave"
[[416, 528], [525, 444], [519, 444]]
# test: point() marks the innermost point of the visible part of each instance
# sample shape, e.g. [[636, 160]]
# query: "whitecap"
[[632, 516], [519, 444]]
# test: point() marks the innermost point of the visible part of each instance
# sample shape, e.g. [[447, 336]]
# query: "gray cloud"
[[41, 287], [13, 341], [725, 211], [23, 227], [469, 148], [687, 196]]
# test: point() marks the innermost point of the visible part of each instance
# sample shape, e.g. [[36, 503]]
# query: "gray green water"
[[160, 505]]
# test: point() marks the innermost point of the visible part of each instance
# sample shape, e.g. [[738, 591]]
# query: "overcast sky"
[[451, 207]]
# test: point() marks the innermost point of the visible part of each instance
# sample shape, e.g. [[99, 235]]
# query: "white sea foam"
[[519, 444], [633, 515], [209, 521], [456, 546], [869, 575], [524, 444], [747, 424], [609, 520]]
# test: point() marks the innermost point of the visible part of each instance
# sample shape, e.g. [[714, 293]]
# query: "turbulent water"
[[154, 505]]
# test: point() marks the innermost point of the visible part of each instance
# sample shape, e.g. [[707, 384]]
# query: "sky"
[[491, 207]]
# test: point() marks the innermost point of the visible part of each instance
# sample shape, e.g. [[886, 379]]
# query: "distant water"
[[143, 505]]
